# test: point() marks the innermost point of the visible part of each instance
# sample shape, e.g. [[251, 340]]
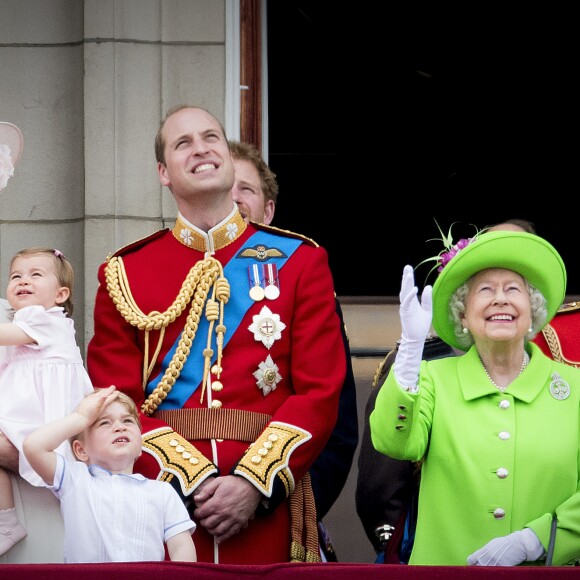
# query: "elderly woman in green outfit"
[[498, 427]]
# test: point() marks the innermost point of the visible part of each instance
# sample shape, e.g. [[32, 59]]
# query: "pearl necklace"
[[502, 389]]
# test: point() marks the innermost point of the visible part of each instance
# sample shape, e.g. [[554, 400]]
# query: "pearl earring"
[[465, 331], [530, 330]]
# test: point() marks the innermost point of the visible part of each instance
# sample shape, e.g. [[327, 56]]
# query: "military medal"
[[559, 388], [257, 293], [267, 327], [267, 376], [272, 290], [256, 290]]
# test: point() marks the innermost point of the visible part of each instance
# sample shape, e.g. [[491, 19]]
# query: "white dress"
[[40, 382]]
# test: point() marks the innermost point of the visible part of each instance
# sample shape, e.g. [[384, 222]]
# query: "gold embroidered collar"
[[216, 238]]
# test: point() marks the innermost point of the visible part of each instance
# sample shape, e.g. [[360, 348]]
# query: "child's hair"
[[62, 269], [122, 398]]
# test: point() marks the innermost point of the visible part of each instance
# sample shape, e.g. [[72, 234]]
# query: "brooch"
[[559, 388]]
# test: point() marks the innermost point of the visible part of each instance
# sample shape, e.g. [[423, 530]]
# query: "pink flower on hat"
[[446, 257], [450, 249]]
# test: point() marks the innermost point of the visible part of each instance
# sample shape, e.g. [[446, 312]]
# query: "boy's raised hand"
[[92, 406]]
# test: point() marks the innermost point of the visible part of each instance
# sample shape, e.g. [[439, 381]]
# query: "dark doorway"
[[380, 125]]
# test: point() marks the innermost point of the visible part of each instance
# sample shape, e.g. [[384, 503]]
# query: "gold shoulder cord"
[[555, 347], [201, 278], [553, 342]]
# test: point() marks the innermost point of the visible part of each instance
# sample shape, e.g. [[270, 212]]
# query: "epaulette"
[[137, 243], [286, 233], [568, 307]]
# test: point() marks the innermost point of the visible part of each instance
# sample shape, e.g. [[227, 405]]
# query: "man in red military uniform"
[[226, 334], [559, 338]]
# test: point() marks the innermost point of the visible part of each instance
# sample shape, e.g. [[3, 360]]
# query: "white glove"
[[509, 550], [415, 317], [415, 325]]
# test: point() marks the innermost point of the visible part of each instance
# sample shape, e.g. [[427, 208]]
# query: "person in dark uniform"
[[386, 488]]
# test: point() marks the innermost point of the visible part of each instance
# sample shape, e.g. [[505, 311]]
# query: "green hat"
[[527, 254]]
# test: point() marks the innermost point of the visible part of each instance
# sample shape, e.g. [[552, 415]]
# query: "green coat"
[[470, 434]]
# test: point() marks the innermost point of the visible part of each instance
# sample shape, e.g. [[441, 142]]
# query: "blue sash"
[[236, 272]]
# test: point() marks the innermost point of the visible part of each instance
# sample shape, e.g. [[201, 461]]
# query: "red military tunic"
[[559, 339], [269, 412]]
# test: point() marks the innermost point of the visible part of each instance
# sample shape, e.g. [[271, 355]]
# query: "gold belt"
[[196, 424]]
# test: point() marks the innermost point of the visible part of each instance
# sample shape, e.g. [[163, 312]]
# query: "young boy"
[[109, 513]]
